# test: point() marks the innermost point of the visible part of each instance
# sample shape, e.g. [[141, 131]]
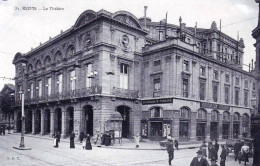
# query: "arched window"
[[30, 68], [202, 114], [38, 64], [71, 50], [185, 112], [58, 56], [236, 116], [214, 115], [47, 61], [226, 116], [156, 112]]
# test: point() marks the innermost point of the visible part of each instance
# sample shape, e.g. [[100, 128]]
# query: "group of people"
[[241, 151], [85, 144]]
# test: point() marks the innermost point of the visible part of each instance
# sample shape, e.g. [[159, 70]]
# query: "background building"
[[162, 79]]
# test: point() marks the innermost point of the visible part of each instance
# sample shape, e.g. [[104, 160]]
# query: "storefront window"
[[226, 116], [235, 125], [202, 114], [185, 112], [214, 115]]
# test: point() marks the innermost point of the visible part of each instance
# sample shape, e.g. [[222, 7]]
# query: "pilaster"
[[33, 121], [52, 126], [193, 126], [42, 122]]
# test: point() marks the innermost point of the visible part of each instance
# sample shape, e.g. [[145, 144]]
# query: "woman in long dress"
[[55, 141], [72, 144], [88, 143]]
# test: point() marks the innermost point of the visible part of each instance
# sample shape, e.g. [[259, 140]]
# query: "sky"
[[20, 30]]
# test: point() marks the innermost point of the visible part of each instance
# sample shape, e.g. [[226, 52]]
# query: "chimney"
[[145, 9]]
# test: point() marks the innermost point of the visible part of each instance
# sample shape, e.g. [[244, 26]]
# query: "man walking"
[[199, 160], [223, 156], [237, 148], [170, 150]]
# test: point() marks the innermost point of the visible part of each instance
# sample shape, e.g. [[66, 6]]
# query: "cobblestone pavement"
[[44, 154]]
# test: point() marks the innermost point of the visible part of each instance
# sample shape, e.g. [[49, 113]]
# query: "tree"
[[6, 103]]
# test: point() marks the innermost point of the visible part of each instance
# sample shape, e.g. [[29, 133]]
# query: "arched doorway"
[[88, 119], [245, 125], [124, 111], [37, 121], [28, 121], [70, 119], [201, 124], [19, 122], [58, 120], [185, 118], [214, 129], [47, 121]]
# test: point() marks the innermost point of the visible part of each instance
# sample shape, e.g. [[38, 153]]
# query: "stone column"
[[220, 117], [64, 124], [241, 127], [176, 125], [52, 126], [33, 121], [42, 122], [208, 126], [231, 127], [77, 116], [193, 125]]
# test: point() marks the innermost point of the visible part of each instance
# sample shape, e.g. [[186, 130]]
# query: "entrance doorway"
[[47, 121], [19, 122], [201, 131], [235, 130], [124, 111], [225, 130], [58, 120], [37, 121], [28, 125], [184, 131], [156, 129], [88, 119], [214, 130]]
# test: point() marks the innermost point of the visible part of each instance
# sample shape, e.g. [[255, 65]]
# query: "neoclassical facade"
[[161, 79]]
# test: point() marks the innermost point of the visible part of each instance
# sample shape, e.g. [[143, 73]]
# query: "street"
[[43, 153]]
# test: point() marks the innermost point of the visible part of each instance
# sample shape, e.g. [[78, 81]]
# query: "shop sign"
[[157, 101], [214, 106]]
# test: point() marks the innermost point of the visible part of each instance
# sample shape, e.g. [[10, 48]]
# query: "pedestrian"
[[216, 146], [223, 155], [8, 128], [213, 153], [210, 147], [245, 153], [176, 143], [58, 136], [237, 149], [55, 140], [88, 143], [137, 141], [170, 150], [81, 136], [72, 136], [199, 160], [203, 148], [213, 162], [83, 143]]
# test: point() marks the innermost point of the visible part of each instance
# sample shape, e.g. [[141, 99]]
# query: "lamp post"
[[22, 146]]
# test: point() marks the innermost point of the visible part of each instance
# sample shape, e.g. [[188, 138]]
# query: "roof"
[[8, 86]]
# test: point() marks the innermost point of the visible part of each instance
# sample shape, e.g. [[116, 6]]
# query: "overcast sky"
[[22, 29]]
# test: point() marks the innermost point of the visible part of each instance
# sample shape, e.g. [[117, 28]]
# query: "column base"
[[22, 148]]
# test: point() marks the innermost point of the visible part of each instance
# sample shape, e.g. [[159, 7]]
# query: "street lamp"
[[22, 146]]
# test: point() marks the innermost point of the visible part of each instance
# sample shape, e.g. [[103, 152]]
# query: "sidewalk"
[[126, 143]]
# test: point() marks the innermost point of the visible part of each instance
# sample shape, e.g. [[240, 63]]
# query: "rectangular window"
[[40, 88], [157, 87], [246, 84], [237, 81], [227, 95], [236, 96], [186, 65], [215, 92], [88, 75], [227, 78], [185, 87], [48, 86], [31, 91], [59, 83], [210, 46], [157, 63], [215, 75], [246, 98], [123, 76], [202, 90], [253, 85], [202, 70], [73, 80]]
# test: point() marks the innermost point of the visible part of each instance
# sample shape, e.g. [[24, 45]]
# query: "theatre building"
[[112, 71]]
